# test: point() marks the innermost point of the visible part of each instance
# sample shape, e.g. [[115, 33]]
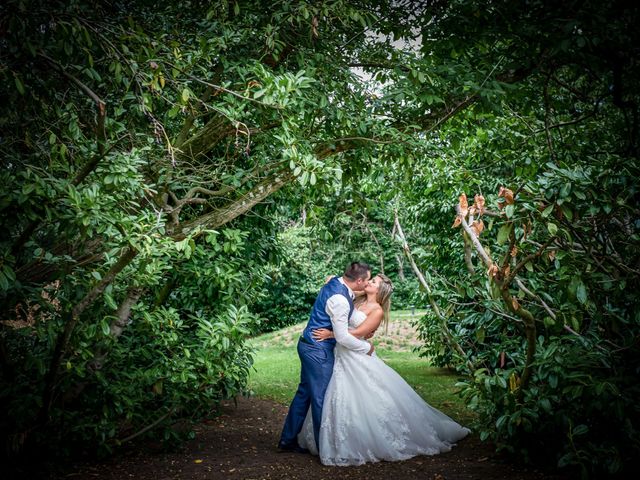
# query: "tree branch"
[[71, 321], [448, 336], [526, 260], [147, 428], [100, 104]]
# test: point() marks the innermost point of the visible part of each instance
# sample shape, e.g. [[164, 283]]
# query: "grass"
[[277, 367]]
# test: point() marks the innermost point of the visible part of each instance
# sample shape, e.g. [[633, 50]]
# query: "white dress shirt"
[[337, 308]]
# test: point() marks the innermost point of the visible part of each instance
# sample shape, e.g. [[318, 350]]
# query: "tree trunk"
[[468, 253], [400, 263], [72, 319], [234, 209], [118, 324]]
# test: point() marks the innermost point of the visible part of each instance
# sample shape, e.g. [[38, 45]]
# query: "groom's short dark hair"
[[356, 270]]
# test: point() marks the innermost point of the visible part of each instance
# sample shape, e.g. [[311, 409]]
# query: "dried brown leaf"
[[493, 270], [464, 205], [479, 203], [515, 304], [507, 195], [477, 227]]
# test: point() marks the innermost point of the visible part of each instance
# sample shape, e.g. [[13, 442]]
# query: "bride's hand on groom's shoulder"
[[320, 334]]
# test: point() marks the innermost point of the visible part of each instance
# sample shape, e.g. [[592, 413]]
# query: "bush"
[[573, 411], [163, 368]]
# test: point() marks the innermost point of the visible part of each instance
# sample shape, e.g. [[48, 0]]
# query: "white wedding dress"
[[370, 414]]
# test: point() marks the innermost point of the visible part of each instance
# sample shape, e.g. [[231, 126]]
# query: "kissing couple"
[[350, 407]]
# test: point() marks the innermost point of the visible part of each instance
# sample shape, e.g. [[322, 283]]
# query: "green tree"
[[136, 134]]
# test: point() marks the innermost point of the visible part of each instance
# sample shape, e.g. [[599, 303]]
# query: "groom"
[[332, 309]]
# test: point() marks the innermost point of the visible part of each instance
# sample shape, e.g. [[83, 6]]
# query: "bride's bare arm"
[[370, 325], [365, 329]]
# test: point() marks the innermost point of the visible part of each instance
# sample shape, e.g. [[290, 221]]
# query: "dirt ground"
[[241, 444]]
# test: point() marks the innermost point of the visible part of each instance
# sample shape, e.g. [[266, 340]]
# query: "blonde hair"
[[383, 297]]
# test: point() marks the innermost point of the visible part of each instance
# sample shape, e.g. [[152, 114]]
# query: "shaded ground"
[[241, 444]]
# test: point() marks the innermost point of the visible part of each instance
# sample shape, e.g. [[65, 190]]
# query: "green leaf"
[[503, 233], [19, 84], [104, 325], [553, 228], [509, 210], [580, 429], [567, 212], [581, 293], [185, 95], [111, 303]]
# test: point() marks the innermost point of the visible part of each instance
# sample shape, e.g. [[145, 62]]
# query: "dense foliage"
[[136, 137], [540, 311], [178, 176]]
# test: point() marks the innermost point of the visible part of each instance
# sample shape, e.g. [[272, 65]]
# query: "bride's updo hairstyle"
[[385, 289]]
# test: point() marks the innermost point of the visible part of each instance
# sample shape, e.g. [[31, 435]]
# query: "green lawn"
[[277, 367]]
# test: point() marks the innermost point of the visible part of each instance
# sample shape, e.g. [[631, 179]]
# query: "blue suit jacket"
[[319, 317]]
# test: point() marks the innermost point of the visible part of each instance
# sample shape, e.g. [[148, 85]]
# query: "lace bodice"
[[357, 318]]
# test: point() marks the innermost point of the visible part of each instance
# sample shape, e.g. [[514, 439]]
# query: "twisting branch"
[[526, 260], [510, 302], [467, 254], [237, 207], [448, 336], [486, 259], [147, 428], [72, 319], [100, 104], [522, 286]]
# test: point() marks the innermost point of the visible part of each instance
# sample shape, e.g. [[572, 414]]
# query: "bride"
[[370, 413]]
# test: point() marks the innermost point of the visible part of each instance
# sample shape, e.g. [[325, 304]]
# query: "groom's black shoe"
[[293, 447]]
